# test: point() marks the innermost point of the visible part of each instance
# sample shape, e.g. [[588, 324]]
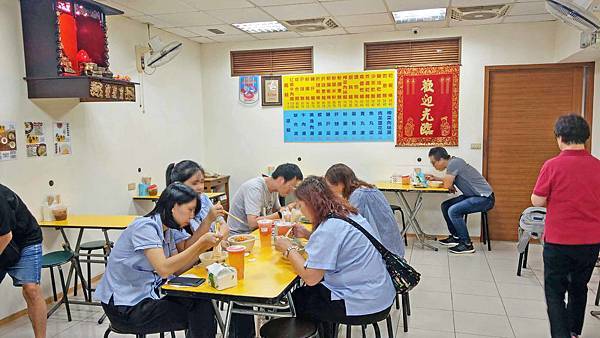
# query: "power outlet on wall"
[[475, 145], [131, 186]]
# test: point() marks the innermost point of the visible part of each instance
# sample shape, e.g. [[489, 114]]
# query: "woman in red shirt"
[[568, 187]]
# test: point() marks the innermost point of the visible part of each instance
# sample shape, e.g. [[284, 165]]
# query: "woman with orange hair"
[[346, 278]]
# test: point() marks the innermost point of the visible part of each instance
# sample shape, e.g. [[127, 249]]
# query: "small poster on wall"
[[271, 90], [8, 140], [249, 89], [35, 139], [62, 138]]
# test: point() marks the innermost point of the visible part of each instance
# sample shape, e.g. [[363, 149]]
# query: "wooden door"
[[521, 106]]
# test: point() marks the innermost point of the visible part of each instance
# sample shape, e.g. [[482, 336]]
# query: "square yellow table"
[[412, 211], [86, 222], [268, 278]]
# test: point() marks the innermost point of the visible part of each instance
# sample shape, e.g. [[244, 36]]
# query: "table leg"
[[218, 316], [228, 320], [412, 212], [73, 267], [291, 303], [105, 231]]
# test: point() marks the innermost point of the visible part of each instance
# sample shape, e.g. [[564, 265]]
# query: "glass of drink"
[[236, 259], [265, 227]]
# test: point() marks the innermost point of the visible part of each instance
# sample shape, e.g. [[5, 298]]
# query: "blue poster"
[[343, 125]]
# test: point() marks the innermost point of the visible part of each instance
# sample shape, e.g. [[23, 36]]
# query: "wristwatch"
[[287, 251]]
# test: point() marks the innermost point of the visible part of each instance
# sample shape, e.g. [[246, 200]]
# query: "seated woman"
[[153, 248], [345, 275], [371, 204], [192, 174]]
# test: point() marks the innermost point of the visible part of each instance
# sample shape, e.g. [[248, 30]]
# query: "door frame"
[[588, 109]]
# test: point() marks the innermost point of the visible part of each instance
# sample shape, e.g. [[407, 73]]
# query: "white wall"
[[250, 138], [110, 140]]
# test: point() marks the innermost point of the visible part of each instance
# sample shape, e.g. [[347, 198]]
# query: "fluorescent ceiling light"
[[261, 27], [421, 15]]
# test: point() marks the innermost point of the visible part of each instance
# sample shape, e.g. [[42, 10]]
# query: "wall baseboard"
[[49, 300]]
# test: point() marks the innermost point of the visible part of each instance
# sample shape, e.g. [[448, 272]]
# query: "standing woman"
[[345, 275], [371, 204], [192, 174], [153, 248], [568, 187]]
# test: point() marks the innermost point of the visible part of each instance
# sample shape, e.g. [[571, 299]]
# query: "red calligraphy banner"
[[427, 106]]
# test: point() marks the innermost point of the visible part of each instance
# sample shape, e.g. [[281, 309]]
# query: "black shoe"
[[450, 241], [462, 248]]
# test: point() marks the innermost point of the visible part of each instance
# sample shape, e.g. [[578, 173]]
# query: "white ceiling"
[[193, 18]]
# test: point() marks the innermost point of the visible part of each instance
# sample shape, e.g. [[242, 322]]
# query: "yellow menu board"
[[339, 90]]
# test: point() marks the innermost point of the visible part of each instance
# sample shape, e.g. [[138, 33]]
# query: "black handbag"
[[404, 276], [10, 256]]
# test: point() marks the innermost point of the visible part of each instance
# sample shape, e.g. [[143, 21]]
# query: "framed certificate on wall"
[[271, 90]]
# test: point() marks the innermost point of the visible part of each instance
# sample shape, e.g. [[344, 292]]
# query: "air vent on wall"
[[478, 12], [310, 25]]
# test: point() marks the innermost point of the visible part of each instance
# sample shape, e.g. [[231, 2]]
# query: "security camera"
[[415, 30]]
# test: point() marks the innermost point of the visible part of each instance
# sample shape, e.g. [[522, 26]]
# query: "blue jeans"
[[455, 209], [28, 269]]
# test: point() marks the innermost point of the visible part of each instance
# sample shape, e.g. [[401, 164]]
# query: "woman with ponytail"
[[370, 202], [192, 174], [151, 250]]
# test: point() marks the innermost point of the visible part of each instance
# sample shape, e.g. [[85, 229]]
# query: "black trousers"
[[567, 268], [314, 303], [164, 315]]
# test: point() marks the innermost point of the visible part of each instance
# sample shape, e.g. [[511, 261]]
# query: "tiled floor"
[[467, 296]]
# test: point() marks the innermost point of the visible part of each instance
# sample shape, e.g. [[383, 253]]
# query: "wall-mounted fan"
[[156, 54], [575, 13]]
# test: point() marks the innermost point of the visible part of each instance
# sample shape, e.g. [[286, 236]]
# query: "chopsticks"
[[235, 217], [289, 231]]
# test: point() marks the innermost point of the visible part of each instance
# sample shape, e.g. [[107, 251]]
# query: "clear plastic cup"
[[236, 259]]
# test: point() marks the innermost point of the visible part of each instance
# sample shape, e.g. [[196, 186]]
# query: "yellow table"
[[412, 211], [268, 278], [213, 196], [83, 222]]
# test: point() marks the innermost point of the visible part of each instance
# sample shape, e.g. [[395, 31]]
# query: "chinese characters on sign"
[[427, 111], [343, 107], [112, 91]]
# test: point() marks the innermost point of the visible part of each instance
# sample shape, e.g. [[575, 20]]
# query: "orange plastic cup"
[[236, 259], [406, 180], [283, 228], [265, 227]]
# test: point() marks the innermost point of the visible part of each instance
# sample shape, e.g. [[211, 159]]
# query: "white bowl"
[[210, 257], [436, 184], [245, 240]]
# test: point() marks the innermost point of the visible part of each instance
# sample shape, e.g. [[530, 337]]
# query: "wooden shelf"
[[218, 184], [85, 88]]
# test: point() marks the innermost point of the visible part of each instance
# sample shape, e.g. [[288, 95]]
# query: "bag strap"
[[382, 250]]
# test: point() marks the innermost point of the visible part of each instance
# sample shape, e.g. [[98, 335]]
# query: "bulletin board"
[[340, 107]]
